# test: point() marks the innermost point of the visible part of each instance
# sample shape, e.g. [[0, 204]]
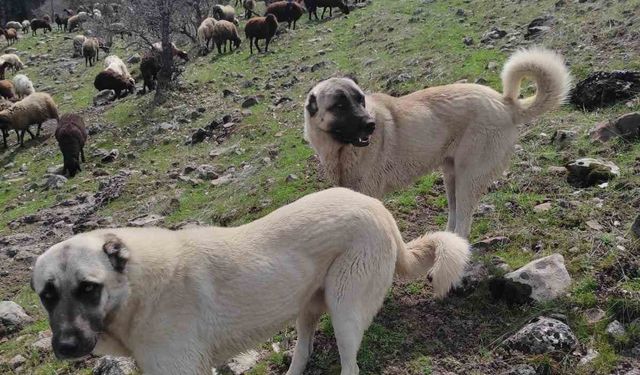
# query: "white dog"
[[180, 302], [376, 143]]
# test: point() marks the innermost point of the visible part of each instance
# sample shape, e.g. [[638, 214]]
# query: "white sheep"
[[26, 25], [14, 61], [23, 85], [115, 64]]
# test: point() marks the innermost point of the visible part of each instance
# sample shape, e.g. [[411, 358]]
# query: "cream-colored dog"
[[180, 302], [376, 143]]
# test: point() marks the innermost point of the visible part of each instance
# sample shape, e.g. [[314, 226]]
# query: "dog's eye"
[[87, 287]]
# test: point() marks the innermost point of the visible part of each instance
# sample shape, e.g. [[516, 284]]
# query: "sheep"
[[261, 28], [23, 86], [76, 21], [224, 31], [286, 11], [39, 24], [3, 66], [11, 35], [69, 12], [78, 41], [149, 67], [205, 33], [224, 12], [26, 25], [90, 51], [14, 61], [249, 6], [115, 77], [71, 134], [4, 104], [116, 64], [61, 22], [14, 25], [46, 18], [313, 5], [157, 46], [6, 89], [34, 109]]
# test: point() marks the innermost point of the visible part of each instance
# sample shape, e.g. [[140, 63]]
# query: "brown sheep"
[[224, 31], [71, 135], [157, 46], [11, 35], [40, 24], [286, 11], [34, 109], [46, 18], [261, 28], [205, 33], [90, 51], [110, 80], [149, 67], [6, 89]]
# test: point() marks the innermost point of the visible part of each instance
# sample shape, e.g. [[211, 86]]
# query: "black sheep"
[[39, 24], [71, 135]]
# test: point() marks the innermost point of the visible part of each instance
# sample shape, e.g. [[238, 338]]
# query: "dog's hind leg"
[[449, 175], [306, 327]]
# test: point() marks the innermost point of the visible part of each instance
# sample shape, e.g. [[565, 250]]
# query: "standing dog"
[[180, 302], [376, 143]]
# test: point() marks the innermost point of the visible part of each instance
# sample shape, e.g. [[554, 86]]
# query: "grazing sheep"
[[205, 33], [74, 22], [14, 25], [261, 28], [286, 11], [3, 66], [23, 86], [313, 5], [78, 41], [34, 109], [103, 44], [61, 22], [224, 31], [224, 12], [90, 51], [68, 12], [14, 61], [115, 64], [39, 24], [249, 6], [157, 46], [71, 135], [11, 35], [97, 14], [149, 67], [26, 25], [4, 129], [115, 77], [6, 89]]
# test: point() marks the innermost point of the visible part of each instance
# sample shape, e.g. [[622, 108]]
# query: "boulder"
[[207, 172], [588, 172], [109, 365], [249, 102], [54, 182], [17, 361], [601, 89], [616, 330], [494, 33], [547, 277], [537, 26], [542, 335], [626, 127], [104, 97], [522, 369], [12, 317]]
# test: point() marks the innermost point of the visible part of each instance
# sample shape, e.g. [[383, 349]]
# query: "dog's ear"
[[352, 77], [116, 251], [312, 106]]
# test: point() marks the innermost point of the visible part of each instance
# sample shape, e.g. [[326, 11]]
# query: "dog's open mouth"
[[362, 141]]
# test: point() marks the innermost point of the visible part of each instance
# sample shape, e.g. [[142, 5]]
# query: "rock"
[[522, 369], [134, 59], [557, 170], [543, 207], [547, 277], [17, 361], [490, 243], [615, 330], [199, 136], [110, 156], [602, 89], [468, 41], [542, 335], [589, 357], [42, 345], [561, 138], [626, 127], [12, 318], [537, 26], [104, 97], [291, 178], [207, 172], [146, 220], [166, 127], [492, 65], [635, 227], [595, 315], [588, 172], [481, 81], [492, 34], [222, 180], [109, 365], [54, 182], [477, 272], [249, 102], [594, 225]]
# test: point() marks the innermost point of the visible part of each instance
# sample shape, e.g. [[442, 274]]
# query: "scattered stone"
[[588, 172], [602, 89], [490, 243], [492, 34], [166, 127], [635, 227], [109, 365], [222, 180], [135, 59], [477, 272], [616, 330], [249, 102], [199, 136], [481, 81], [522, 369], [227, 92], [12, 318], [468, 41], [543, 207], [557, 170], [547, 277], [104, 97], [492, 65], [43, 344], [54, 182], [485, 209], [17, 361], [207, 172], [110, 156], [542, 335], [538, 26], [589, 357], [626, 127], [291, 178], [146, 220], [562, 138], [594, 315], [594, 225]]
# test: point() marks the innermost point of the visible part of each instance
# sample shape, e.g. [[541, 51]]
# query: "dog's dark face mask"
[[342, 112]]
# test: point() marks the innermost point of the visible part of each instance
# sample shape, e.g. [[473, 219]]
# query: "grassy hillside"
[[392, 46]]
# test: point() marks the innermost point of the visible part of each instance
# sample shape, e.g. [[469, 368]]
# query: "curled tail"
[[547, 69], [442, 256]]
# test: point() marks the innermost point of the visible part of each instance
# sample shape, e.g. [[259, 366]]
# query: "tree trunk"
[[166, 57]]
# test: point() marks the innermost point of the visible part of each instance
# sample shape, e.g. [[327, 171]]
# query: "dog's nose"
[[370, 126], [68, 346]]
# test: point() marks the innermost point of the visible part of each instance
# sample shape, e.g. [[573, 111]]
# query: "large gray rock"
[[626, 127], [109, 365], [587, 172], [616, 330], [54, 182], [547, 277], [104, 97], [542, 335], [522, 369], [12, 317]]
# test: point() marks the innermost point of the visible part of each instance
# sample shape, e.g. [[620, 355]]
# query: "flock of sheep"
[[22, 107]]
